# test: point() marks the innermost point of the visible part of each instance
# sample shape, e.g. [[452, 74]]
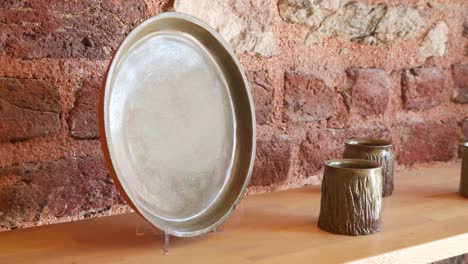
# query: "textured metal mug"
[[377, 150], [351, 202], [464, 171]]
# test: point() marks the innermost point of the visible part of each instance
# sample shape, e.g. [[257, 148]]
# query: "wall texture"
[[321, 71]]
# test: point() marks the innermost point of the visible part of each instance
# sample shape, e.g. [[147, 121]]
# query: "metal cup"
[[351, 197], [377, 150], [464, 171]]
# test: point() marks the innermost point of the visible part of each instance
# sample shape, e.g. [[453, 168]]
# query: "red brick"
[[465, 129], [272, 162], [369, 132], [423, 88], [460, 79], [465, 32], [31, 191], [307, 98], [426, 142], [92, 29], [83, 118], [340, 118], [319, 146], [369, 91], [324, 144], [28, 108], [262, 92]]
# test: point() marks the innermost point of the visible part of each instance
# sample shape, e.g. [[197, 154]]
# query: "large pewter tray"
[[177, 124]]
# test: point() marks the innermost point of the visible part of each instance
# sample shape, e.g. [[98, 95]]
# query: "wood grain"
[[423, 221]]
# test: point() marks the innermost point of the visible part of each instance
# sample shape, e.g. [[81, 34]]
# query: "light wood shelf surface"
[[425, 220]]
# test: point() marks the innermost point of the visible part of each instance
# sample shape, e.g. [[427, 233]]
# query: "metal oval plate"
[[178, 124]]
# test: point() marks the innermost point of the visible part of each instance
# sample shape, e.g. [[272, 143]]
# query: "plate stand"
[[144, 228], [166, 243]]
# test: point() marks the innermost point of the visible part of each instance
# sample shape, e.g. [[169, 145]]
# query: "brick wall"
[[320, 72]]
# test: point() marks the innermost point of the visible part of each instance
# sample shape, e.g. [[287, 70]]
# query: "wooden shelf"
[[425, 220]]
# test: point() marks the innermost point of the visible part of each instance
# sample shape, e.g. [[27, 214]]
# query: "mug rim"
[[369, 142], [370, 165]]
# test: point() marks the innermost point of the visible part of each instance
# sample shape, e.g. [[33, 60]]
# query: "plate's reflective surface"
[[178, 123]]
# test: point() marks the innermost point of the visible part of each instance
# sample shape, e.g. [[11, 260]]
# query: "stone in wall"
[[369, 91], [426, 142], [435, 41], [93, 29], [272, 162], [29, 108], [465, 28], [369, 132], [83, 119], [248, 25], [320, 145], [460, 79], [262, 92], [464, 127], [56, 188], [465, 34], [353, 21], [340, 117], [307, 12], [307, 98], [324, 144], [423, 88]]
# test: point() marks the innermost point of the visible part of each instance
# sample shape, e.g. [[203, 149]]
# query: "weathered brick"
[[423, 88], [272, 162], [55, 188], [465, 129], [32, 29], [369, 92], [83, 118], [28, 108], [307, 98], [460, 79], [369, 132], [319, 146], [465, 32], [340, 117], [262, 92], [425, 142]]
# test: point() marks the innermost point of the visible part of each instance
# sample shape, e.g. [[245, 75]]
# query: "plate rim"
[[104, 126]]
